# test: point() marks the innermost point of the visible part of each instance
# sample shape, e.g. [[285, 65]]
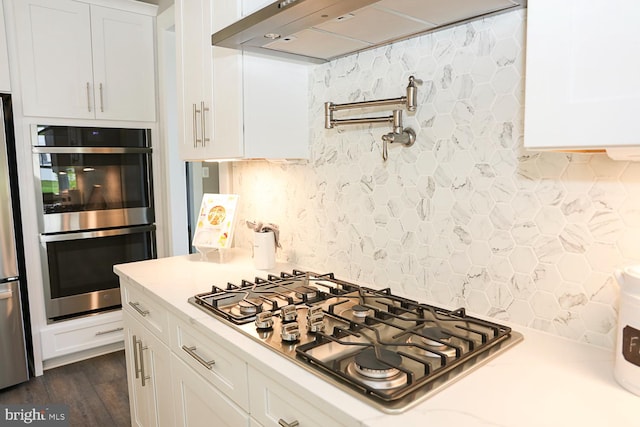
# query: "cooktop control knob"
[[315, 319], [290, 332], [264, 320], [288, 313]]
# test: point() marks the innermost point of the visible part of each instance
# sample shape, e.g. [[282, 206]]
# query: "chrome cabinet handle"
[[135, 356], [283, 423], [110, 331], [195, 125], [101, 100], [88, 98], [192, 352], [136, 306], [144, 377], [203, 123]]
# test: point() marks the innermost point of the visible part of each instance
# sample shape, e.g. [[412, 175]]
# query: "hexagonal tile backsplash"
[[465, 217]]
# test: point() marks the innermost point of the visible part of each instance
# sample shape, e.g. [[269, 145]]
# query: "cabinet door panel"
[[151, 404], [582, 89], [228, 140], [123, 61], [271, 403], [192, 20], [199, 404], [54, 54], [276, 108], [5, 84]]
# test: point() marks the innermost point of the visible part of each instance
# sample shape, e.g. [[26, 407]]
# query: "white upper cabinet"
[[5, 84], [582, 68], [236, 105], [194, 25], [123, 65], [80, 60]]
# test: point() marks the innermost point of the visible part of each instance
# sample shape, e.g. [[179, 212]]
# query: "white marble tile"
[[466, 215]]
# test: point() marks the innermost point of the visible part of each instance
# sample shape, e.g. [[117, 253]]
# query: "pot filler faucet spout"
[[399, 135]]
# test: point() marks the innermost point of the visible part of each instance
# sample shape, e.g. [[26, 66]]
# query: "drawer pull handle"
[[88, 98], [101, 100], [135, 356], [192, 352], [136, 307], [110, 331], [143, 376], [283, 423]]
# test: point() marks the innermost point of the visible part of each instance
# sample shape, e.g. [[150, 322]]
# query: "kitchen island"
[[543, 381]]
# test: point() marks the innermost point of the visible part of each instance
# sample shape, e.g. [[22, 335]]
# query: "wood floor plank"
[[32, 392], [95, 390], [115, 397], [105, 368], [72, 387]]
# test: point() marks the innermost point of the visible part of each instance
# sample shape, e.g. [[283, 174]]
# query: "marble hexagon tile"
[[466, 216]]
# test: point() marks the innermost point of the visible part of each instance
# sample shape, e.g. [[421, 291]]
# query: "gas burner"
[[434, 338], [304, 293], [360, 311], [248, 307], [381, 372]]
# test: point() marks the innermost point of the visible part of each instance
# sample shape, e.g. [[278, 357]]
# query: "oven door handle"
[[61, 237], [90, 150]]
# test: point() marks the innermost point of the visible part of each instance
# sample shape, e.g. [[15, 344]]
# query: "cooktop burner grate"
[[389, 350]]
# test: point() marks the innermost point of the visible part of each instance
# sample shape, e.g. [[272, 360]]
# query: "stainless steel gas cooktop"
[[389, 351]]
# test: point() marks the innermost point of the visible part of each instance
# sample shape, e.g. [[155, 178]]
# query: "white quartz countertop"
[[543, 381]]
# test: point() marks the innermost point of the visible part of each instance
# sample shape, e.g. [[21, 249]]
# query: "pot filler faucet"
[[403, 136]]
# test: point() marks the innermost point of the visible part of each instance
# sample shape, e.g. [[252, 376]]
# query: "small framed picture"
[[216, 221]]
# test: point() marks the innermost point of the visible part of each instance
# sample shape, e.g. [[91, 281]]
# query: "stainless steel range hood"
[[322, 30]]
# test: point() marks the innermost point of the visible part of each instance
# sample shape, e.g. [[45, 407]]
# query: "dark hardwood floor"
[[95, 390]]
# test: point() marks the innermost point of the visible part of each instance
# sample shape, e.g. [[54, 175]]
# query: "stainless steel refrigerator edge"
[[13, 353]]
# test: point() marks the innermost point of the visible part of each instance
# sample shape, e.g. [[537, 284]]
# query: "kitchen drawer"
[[147, 311], [76, 335], [273, 403], [207, 356]]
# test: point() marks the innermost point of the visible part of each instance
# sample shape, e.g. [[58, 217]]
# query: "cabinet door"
[[193, 22], [273, 405], [582, 86], [228, 118], [54, 56], [5, 84], [123, 63], [198, 403], [276, 108], [151, 399]]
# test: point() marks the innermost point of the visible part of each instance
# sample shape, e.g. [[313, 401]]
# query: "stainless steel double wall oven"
[[96, 210]]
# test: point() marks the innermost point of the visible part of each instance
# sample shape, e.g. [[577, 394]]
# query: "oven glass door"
[[80, 182], [79, 267], [92, 178]]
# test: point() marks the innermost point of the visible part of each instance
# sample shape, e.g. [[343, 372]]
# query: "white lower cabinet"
[[148, 364], [193, 377], [209, 358], [198, 403], [273, 404], [82, 334]]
